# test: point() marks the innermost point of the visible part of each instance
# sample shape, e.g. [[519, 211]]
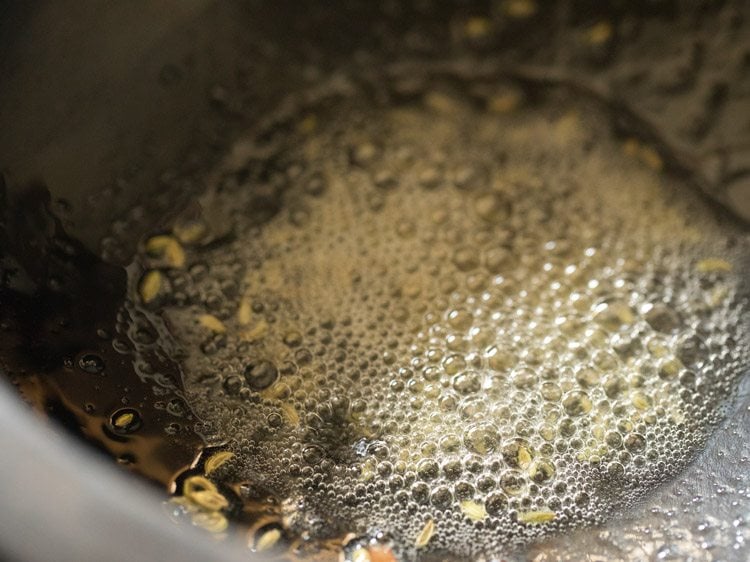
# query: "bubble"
[[541, 470], [577, 403], [496, 503], [260, 374], [551, 391], [428, 469], [91, 363], [467, 382], [634, 442], [481, 438], [513, 482], [441, 497], [465, 259], [492, 207]]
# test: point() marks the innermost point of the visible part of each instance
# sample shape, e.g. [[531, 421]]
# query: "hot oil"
[[442, 320], [416, 317], [59, 305]]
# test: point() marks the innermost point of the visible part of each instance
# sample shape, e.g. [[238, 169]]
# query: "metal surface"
[[99, 99], [62, 502]]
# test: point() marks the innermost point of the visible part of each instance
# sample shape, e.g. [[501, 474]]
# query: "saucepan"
[[109, 112]]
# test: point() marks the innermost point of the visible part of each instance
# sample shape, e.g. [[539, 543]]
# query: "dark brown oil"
[[60, 350]]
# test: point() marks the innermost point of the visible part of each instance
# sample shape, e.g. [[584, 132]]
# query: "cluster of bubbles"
[[451, 311]]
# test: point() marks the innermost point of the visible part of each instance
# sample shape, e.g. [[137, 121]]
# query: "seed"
[[150, 285], [245, 312], [476, 27], [473, 510], [536, 517], [189, 231], [640, 401], [216, 460], [520, 9], [255, 333], [290, 414], [168, 249], [203, 493], [517, 454], [209, 500], [266, 538], [212, 323], [714, 265], [426, 534], [197, 484], [599, 33], [125, 420], [213, 522]]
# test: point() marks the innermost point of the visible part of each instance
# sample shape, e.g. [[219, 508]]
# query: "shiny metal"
[[62, 502], [96, 93]]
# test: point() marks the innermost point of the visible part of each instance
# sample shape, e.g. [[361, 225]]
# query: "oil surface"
[[444, 320]]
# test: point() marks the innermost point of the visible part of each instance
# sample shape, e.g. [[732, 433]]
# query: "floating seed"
[[536, 517], [714, 265], [212, 323], [168, 249], [212, 522], [209, 500], [190, 231], [426, 534], [150, 285], [266, 538], [216, 460], [473, 510], [125, 420]]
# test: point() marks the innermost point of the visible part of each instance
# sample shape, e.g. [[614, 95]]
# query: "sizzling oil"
[[442, 321]]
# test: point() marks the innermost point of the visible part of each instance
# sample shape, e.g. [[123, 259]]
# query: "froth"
[[501, 323]]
